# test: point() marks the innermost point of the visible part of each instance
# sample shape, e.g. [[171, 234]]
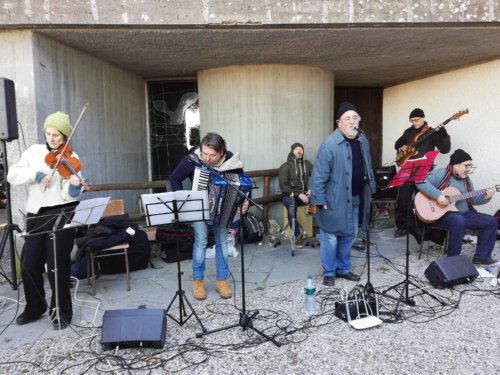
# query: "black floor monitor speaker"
[[450, 271], [8, 114], [134, 328]]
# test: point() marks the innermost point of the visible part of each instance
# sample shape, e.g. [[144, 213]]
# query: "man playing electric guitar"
[[456, 175], [440, 140]]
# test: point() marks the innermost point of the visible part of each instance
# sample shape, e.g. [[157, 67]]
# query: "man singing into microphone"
[[212, 152], [342, 184]]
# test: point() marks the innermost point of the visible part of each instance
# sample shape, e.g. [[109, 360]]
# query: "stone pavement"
[[265, 266]]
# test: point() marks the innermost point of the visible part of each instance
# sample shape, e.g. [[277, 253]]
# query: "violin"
[[68, 164]]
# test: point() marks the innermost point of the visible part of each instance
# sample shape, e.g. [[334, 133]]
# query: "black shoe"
[[350, 276], [400, 233], [23, 319], [328, 280], [60, 324], [482, 261]]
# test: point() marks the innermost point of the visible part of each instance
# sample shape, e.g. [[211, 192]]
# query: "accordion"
[[223, 200]]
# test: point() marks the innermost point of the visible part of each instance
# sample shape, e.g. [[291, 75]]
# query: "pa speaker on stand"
[[8, 115]]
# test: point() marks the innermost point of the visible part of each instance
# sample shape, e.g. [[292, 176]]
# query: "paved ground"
[[265, 266], [443, 332]]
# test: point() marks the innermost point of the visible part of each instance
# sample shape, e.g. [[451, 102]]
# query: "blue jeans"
[[335, 251], [292, 212], [456, 222], [200, 246]]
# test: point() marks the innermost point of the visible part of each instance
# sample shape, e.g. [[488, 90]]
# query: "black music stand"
[[176, 207], [412, 171], [244, 321], [52, 219]]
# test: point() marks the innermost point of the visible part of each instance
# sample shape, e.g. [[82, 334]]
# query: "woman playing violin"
[[46, 187]]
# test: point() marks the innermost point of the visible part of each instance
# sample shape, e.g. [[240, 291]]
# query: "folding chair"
[[114, 207]]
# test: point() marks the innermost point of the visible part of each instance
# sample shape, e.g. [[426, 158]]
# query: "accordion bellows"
[[223, 200]]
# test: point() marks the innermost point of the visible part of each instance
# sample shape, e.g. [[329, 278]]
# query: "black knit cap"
[[295, 145], [459, 156], [417, 112], [344, 107]]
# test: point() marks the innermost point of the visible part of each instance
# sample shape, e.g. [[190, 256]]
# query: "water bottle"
[[310, 306]]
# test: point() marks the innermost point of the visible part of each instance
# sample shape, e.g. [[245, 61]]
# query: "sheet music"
[[414, 170], [191, 206], [89, 211]]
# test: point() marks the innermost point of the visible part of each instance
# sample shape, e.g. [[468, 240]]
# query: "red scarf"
[[445, 182]]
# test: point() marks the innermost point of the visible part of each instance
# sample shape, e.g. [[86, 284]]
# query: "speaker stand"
[[9, 229]]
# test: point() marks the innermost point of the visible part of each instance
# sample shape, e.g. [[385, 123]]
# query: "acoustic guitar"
[[429, 210], [423, 135]]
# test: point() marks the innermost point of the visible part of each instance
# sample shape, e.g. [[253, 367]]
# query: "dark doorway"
[[174, 124], [368, 101]]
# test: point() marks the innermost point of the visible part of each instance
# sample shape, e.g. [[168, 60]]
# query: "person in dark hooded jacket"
[[294, 180]]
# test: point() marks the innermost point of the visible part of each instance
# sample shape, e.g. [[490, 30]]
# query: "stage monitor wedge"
[[132, 328], [8, 114], [449, 271]]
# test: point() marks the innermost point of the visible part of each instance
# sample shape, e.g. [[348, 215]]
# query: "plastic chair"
[[114, 207]]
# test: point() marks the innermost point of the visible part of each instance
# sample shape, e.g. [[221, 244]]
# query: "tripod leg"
[[278, 344], [244, 322], [183, 316], [194, 313]]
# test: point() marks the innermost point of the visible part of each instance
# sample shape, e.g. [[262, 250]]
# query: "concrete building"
[[262, 73]]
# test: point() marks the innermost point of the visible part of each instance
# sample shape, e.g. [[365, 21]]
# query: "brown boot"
[[222, 287], [199, 291]]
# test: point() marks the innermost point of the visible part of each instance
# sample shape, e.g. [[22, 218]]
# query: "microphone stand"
[[245, 321]]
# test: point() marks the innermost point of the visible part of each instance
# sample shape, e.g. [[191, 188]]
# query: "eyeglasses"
[[412, 120], [353, 118], [469, 166]]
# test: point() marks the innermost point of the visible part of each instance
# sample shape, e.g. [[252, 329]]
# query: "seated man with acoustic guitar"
[[411, 145], [445, 186]]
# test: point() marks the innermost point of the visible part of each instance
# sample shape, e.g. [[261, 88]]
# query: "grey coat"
[[332, 184]]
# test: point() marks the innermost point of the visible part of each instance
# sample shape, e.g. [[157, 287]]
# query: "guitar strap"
[[445, 182]]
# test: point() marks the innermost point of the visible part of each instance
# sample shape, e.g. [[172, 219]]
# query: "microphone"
[[193, 158], [359, 130]]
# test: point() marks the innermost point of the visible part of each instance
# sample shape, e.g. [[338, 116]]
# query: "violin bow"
[[69, 138]]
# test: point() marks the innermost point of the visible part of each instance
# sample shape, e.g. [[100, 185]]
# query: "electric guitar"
[[429, 210], [423, 135]]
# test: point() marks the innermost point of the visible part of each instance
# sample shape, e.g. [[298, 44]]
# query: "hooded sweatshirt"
[[294, 175]]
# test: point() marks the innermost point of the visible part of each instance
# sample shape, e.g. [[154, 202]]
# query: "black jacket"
[[439, 140]]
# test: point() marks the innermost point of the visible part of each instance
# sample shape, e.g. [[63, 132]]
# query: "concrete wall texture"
[[176, 12], [113, 131], [263, 109]]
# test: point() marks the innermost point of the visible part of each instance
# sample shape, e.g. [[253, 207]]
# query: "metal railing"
[[265, 200]]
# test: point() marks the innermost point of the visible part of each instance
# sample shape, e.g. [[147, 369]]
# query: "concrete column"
[[261, 110]]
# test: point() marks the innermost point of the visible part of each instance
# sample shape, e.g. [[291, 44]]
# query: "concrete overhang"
[[367, 55]]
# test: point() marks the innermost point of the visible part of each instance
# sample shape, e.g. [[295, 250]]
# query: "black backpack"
[[253, 230], [167, 235]]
